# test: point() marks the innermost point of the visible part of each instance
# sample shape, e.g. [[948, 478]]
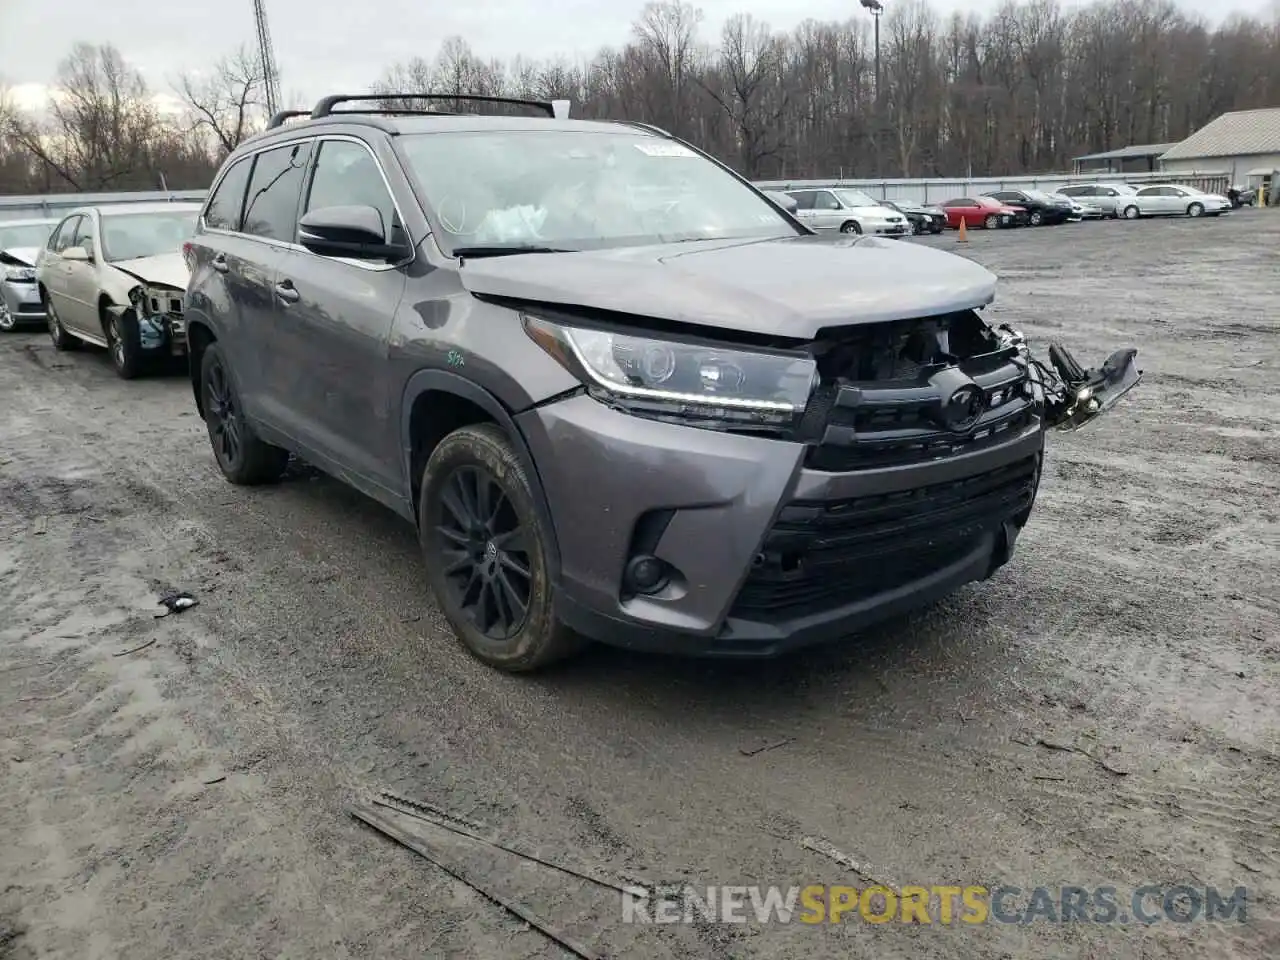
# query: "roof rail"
[[279, 119], [324, 108], [645, 126]]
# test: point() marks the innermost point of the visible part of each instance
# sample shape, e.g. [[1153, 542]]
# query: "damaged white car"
[[114, 276]]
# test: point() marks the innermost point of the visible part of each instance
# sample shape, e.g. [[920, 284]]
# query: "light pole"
[[876, 8]]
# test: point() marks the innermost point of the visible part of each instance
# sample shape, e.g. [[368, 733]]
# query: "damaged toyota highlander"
[[621, 394]]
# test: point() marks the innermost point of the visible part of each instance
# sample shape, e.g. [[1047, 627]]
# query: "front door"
[[81, 315], [334, 327]]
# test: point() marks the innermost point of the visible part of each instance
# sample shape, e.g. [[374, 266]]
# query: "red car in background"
[[983, 212]]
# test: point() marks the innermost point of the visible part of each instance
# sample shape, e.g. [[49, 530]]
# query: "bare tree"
[[226, 103], [749, 90]]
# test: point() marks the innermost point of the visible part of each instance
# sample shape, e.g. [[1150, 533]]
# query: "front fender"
[[445, 382]]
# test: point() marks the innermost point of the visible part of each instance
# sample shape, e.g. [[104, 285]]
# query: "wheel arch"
[[437, 402], [199, 336]]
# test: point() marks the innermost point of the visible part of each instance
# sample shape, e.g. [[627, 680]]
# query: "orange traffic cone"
[[964, 232]]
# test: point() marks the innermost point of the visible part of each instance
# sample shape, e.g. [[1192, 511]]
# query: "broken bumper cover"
[[162, 325], [765, 555]]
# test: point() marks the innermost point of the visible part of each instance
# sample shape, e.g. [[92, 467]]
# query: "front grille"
[[887, 409], [821, 555], [166, 305]]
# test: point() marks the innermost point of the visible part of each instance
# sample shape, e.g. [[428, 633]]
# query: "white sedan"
[[1172, 200]]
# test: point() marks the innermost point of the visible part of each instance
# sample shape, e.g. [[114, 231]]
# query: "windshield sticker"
[[665, 148]]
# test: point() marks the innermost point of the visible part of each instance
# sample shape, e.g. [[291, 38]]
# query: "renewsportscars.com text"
[[944, 905]]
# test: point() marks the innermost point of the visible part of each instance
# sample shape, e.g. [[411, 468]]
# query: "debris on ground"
[[141, 646], [176, 603], [772, 745], [385, 826]]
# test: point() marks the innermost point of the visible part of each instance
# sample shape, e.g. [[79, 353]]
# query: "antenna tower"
[[267, 56]]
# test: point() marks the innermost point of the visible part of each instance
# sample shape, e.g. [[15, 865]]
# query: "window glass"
[[803, 199], [574, 189], [271, 208], [227, 202], [66, 233], [347, 175], [128, 236], [824, 200], [84, 236], [24, 235], [856, 198]]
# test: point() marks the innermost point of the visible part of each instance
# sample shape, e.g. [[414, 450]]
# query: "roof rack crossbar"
[[325, 106], [279, 119]]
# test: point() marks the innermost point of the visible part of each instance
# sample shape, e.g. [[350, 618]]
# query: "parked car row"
[[851, 211]]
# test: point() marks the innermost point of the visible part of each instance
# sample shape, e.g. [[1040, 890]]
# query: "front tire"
[[485, 550], [850, 227], [244, 459], [8, 322], [1132, 213], [1195, 210], [1037, 218], [125, 343], [992, 222]]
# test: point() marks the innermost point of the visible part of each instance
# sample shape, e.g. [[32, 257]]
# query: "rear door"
[[804, 206], [331, 334], [248, 229]]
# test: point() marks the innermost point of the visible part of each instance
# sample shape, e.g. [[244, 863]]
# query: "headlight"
[[14, 272], [720, 386]]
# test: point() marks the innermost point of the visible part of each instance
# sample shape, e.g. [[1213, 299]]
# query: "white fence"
[[54, 206], [938, 190]]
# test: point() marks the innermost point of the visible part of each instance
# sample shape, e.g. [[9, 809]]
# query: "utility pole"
[[875, 8]]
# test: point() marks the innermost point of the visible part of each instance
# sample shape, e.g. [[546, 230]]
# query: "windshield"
[[127, 236], [573, 190], [856, 198], [28, 235]]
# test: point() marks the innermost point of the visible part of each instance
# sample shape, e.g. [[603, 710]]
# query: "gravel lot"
[[1139, 623]]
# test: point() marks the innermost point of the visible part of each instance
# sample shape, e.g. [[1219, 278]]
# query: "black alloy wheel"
[[243, 458], [485, 549]]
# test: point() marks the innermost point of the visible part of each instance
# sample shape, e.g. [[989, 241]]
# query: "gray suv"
[[621, 394]]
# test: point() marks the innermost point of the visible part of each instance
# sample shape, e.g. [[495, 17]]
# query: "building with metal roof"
[[1244, 143], [1140, 158]]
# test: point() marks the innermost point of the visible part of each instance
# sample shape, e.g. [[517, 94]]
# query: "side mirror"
[[76, 253], [353, 231]]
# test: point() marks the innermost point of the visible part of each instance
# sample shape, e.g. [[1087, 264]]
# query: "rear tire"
[[485, 550], [244, 459], [57, 332]]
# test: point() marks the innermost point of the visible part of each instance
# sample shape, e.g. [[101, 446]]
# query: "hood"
[[165, 268], [23, 255], [784, 287]]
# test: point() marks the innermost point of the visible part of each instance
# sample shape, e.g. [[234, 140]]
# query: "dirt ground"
[[190, 799]]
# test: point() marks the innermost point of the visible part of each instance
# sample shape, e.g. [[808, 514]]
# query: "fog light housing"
[[646, 574]]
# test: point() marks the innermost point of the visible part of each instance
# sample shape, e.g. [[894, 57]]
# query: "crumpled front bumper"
[[22, 300], [770, 555]]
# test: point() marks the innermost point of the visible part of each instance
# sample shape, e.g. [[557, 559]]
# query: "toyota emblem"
[[963, 408]]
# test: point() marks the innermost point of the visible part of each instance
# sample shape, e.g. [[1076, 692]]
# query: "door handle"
[[220, 263], [287, 292]]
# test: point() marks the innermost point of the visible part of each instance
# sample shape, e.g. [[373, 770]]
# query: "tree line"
[[1023, 90]]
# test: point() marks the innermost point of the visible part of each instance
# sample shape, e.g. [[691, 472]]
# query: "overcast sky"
[[323, 45]]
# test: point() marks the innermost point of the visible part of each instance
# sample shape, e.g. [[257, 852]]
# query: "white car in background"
[[1172, 200], [114, 276], [20, 243], [846, 210]]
